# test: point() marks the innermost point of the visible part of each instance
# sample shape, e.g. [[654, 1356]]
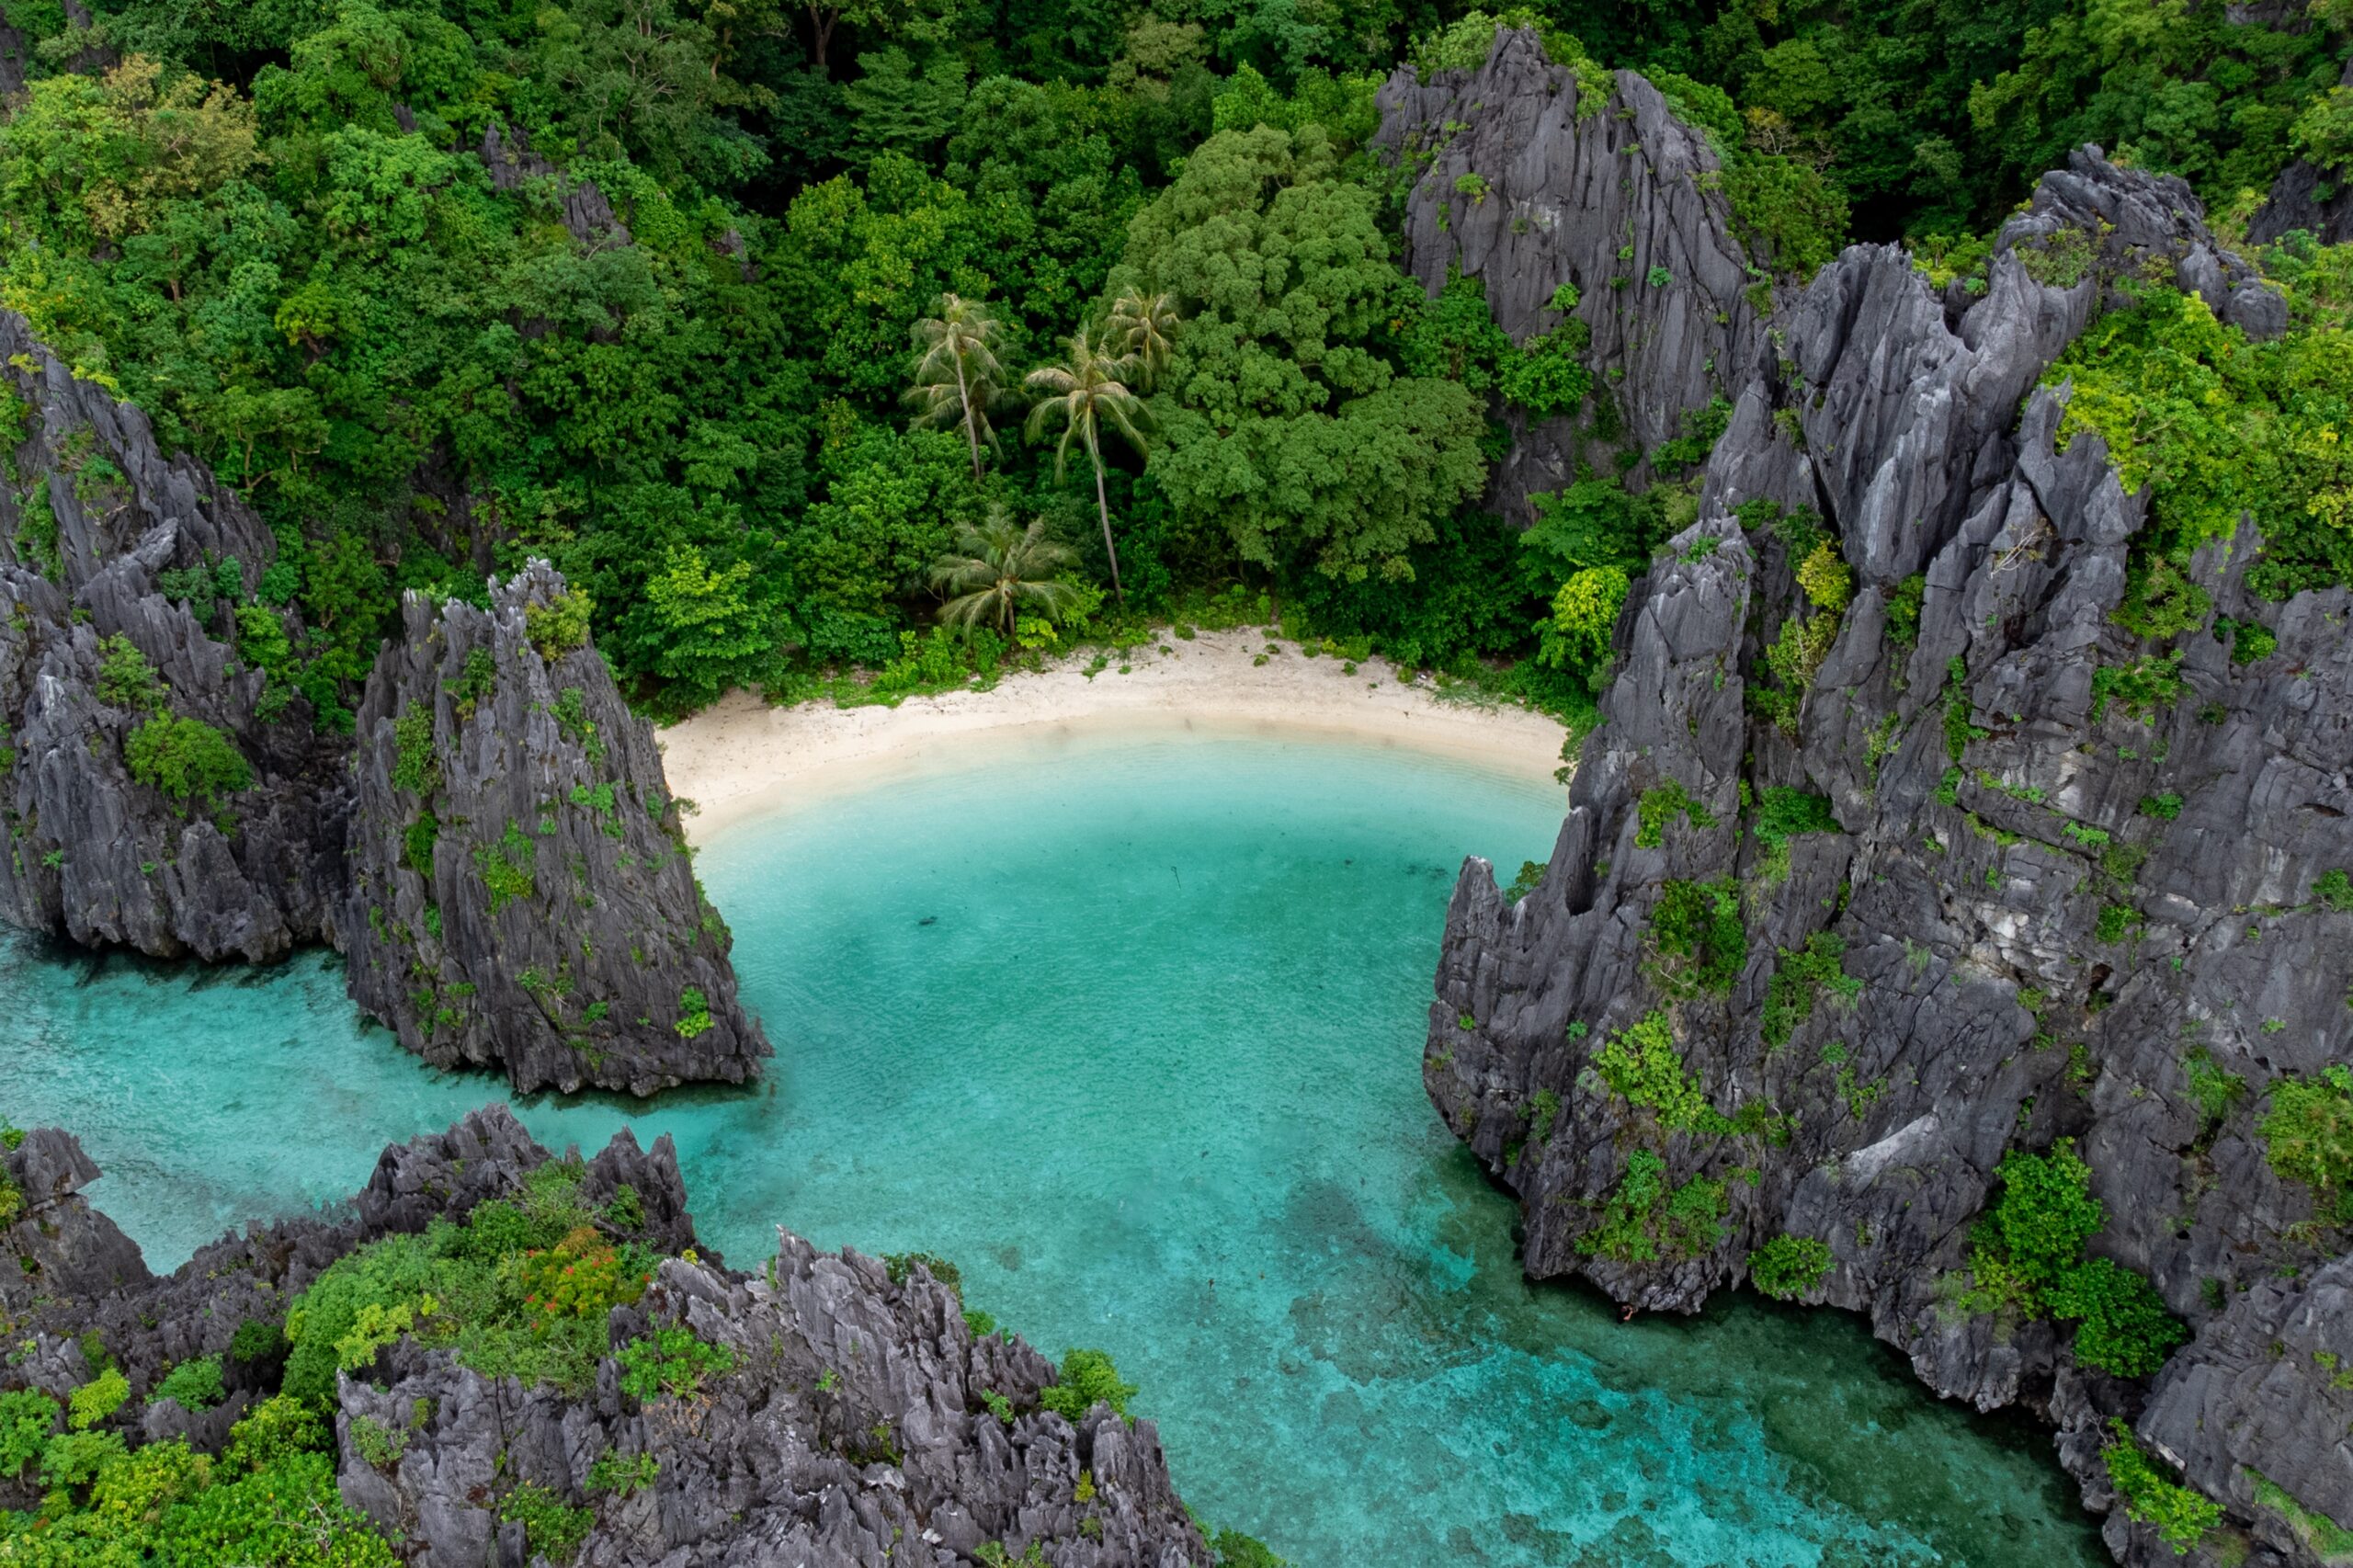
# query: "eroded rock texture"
[[1528, 180], [851, 1430], [521, 894], [91, 517], [2037, 907]]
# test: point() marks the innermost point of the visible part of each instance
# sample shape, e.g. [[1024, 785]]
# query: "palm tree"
[[998, 573], [1087, 390], [956, 375], [1142, 324]]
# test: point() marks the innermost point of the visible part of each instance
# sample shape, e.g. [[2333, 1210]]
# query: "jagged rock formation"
[[520, 888], [1529, 179], [2059, 910], [92, 516], [850, 1431], [2309, 198], [129, 599]]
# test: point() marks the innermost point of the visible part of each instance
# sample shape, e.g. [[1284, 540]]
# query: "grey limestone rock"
[[1605, 191], [92, 514], [521, 894], [854, 1426], [2044, 906]]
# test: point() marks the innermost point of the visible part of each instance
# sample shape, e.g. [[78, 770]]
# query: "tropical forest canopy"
[[775, 326]]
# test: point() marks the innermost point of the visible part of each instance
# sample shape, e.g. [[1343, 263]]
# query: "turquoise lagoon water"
[[1130, 1029]]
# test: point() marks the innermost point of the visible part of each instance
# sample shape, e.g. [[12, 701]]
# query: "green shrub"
[[1543, 1109], [1798, 982], [98, 1399], [2333, 890], [194, 1384], [2045, 1212], [505, 868], [257, 1343], [1088, 1378], [1788, 1267], [2215, 1088], [1696, 928], [185, 758], [125, 677], [417, 842], [2140, 688], [1643, 1217], [1659, 805], [694, 1013], [415, 767], [2308, 1136], [27, 1417], [1642, 1063], [477, 681], [1903, 610], [559, 626], [623, 1474], [1531, 873], [1235, 1550], [671, 1361], [2180, 1515], [554, 1530], [2123, 1325]]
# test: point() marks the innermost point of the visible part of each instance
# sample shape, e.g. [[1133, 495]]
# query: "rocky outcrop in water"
[[853, 1427], [165, 791], [121, 576], [521, 893], [1808, 963], [1530, 180]]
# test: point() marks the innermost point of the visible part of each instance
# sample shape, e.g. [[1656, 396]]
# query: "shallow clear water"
[[1130, 1027]]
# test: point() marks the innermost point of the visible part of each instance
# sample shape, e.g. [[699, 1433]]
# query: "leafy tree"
[[999, 572], [1086, 389], [1285, 421], [1143, 328], [186, 759], [957, 374]]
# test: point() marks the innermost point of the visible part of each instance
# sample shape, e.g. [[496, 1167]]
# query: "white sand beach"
[[741, 758]]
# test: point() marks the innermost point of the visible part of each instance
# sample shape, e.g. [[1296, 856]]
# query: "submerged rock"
[[852, 1423], [521, 891], [1981, 895]]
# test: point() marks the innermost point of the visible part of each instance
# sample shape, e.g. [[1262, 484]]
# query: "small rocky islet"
[[1931, 936]]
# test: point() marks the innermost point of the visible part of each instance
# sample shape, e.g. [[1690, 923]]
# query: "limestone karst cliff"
[[842, 1411], [168, 787], [1813, 955], [521, 893]]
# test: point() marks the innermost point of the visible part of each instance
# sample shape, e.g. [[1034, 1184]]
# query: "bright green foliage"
[[480, 1288], [28, 1417], [1088, 1378], [2308, 1136], [623, 1474], [415, 767], [195, 1384], [1543, 1109], [2028, 1258], [1788, 1267], [1697, 931], [1825, 579], [186, 759], [559, 626], [1903, 610], [2138, 688], [2333, 890], [1798, 982], [1585, 617], [671, 1362], [552, 1529], [2215, 1089], [506, 867], [2219, 427], [1641, 1063], [2327, 1539], [1783, 813], [98, 1399], [125, 677], [1659, 804], [2179, 1514], [1644, 1218], [1544, 376], [1287, 425], [694, 1013], [1235, 1550]]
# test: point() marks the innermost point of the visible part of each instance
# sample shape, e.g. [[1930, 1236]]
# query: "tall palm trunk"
[[971, 435], [1103, 505]]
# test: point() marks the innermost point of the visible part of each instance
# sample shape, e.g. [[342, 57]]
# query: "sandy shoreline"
[[741, 758]]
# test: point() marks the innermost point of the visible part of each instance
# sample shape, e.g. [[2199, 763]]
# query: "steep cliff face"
[[1856, 898], [110, 842], [2307, 197], [853, 1427], [1530, 180], [521, 893]]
